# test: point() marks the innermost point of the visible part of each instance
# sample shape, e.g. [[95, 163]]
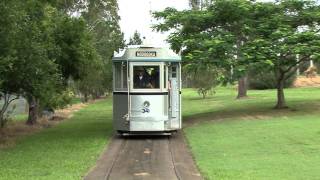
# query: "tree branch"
[[13, 99], [291, 73], [295, 64], [5, 103]]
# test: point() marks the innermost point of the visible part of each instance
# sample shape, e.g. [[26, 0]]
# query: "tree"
[[91, 84], [42, 47], [91, 72], [103, 21], [30, 63], [8, 16], [136, 39], [216, 34], [25, 67], [283, 30]]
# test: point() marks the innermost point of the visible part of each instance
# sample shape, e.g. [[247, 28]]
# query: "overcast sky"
[[135, 15]]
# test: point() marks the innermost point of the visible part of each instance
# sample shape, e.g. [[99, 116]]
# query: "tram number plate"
[[146, 53]]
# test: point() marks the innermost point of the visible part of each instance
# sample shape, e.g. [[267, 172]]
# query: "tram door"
[[174, 93]]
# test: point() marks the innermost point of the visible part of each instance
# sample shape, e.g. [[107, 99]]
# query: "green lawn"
[[247, 139], [20, 117], [229, 138], [66, 151]]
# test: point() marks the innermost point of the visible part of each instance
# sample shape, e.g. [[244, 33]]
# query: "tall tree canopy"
[[43, 45], [103, 21], [215, 34], [284, 31], [236, 34], [136, 39]]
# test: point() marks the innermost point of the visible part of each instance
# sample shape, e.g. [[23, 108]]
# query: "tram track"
[[145, 157]]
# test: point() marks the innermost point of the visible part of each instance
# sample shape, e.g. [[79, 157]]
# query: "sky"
[[135, 15]]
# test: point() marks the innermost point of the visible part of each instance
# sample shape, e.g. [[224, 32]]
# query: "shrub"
[[203, 77]]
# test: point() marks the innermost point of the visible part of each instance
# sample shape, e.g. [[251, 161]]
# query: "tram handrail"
[[128, 88]]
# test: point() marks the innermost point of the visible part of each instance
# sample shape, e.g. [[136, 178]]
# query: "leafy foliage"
[[136, 39], [103, 22], [204, 77], [234, 35], [282, 31], [265, 79], [214, 35], [43, 47]]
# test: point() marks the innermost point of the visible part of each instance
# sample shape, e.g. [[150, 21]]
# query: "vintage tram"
[[146, 90]]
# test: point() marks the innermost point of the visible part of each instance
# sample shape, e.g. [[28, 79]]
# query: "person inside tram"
[[154, 79], [142, 79]]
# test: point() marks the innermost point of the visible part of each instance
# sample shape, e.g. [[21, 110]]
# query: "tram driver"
[[141, 80], [146, 77]]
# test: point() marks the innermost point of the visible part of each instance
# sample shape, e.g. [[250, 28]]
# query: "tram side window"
[[124, 76], [174, 71], [120, 76], [146, 77]]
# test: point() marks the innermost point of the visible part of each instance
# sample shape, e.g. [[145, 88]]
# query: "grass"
[[20, 117], [247, 139], [66, 151], [229, 138]]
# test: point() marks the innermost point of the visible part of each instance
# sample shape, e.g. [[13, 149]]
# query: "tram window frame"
[[174, 71], [165, 74], [161, 65], [148, 75], [120, 76]]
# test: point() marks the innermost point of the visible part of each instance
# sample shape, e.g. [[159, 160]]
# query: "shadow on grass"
[[254, 111]]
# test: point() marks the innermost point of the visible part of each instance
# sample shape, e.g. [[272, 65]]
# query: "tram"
[[146, 90]]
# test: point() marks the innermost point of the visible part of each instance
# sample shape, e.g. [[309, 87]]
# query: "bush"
[[59, 100], [266, 80], [203, 77]]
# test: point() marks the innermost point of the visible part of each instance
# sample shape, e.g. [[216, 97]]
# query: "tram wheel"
[[120, 133]]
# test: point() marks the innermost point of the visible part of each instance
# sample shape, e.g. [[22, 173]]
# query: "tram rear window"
[[120, 76], [146, 77]]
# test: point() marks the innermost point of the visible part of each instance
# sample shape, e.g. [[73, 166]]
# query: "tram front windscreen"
[[146, 77]]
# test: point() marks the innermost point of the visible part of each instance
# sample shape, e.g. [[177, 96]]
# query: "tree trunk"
[[33, 111], [242, 87], [2, 120], [96, 95], [85, 97], [281, 102], [203, 94], [6, 102]]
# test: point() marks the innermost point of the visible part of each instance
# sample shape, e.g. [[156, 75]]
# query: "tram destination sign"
[[146, 54]]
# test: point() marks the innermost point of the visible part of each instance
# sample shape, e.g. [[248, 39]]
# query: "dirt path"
[[146, 158]]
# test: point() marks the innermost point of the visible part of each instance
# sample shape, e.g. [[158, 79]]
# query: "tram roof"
[[147, 53]]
